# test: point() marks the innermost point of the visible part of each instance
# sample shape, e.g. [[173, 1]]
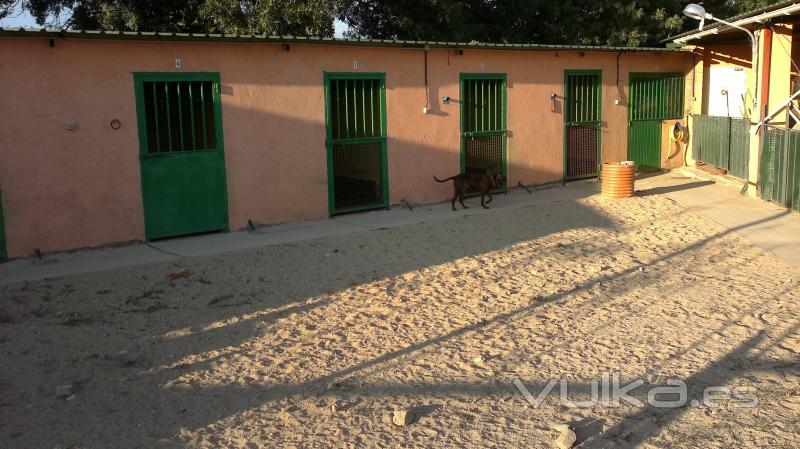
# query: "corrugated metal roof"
[[248, 38], [735, 18]]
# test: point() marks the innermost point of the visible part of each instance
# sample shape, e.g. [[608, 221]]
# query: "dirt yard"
[[315, 344]]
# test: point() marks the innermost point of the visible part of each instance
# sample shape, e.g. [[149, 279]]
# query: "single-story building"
[[743, 115], [112, 137]]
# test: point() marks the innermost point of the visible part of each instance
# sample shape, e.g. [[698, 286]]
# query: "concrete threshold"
[[106, 258]]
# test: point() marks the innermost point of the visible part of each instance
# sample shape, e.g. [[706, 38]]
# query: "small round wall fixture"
[[446, 100], [115, 124]]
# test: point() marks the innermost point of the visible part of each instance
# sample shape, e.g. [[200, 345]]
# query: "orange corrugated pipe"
[[618, 180]]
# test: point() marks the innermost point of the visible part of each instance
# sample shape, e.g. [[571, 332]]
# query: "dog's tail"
[[443, 180]]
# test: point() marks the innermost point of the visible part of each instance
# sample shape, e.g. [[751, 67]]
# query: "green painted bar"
[[364, 107], [180, 113], [346, 112], [203, 109], [169, 122], [475, 103], [156, 131], [191, 113]]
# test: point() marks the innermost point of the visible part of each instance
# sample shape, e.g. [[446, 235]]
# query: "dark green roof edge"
[[246, 38]]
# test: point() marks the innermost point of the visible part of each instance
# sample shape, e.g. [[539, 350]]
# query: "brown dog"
[[482, 182]]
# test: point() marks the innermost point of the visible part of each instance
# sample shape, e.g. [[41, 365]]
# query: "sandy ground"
[[315, 344]]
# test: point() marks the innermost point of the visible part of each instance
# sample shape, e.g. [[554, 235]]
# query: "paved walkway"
[[91, 260], [771, 227], [767, 225]]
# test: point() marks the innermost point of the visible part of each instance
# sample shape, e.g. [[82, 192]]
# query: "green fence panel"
[[779, 174], [739, 148], [724, 142]]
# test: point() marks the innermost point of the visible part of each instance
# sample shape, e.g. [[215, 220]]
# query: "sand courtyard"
[[316, 343]]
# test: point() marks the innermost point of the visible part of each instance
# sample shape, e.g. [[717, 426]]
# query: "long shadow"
[[236, 333], [336, 381], [358, 259], [718, 373], [674, 188]]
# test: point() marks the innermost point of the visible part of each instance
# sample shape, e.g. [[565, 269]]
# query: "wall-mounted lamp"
[[446, 100], [553, 97], [697, 12]]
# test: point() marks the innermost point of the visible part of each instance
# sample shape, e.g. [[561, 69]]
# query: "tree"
[[626, 22], [598, 22], [294, 17]]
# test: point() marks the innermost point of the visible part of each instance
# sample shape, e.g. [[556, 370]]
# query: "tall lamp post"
[[697, 12]]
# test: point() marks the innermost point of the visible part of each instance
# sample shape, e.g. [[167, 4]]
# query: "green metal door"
[[653, 98], [483, 123], [355, 125], [181, 153], [582, 109]]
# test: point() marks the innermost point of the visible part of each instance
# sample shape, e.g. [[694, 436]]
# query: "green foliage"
[[286, 17], [624, 22]]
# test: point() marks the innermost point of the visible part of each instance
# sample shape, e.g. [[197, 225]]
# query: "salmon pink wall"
[[66, 189]]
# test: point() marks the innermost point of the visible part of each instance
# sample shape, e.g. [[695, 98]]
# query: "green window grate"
[[356, 142], [179, 115]]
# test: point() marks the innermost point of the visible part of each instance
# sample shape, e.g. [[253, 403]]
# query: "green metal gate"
[[722, 141], [483, 123], [355, 119], [181, 153], [582, 110], [779, 177], [653, 98]]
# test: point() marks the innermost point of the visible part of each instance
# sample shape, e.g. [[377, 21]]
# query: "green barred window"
[[179, 116]]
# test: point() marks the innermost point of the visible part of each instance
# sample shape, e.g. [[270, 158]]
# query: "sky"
[[20, 18]]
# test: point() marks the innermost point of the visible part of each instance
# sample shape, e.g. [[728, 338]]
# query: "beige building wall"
[[67, 189], [737, 55]]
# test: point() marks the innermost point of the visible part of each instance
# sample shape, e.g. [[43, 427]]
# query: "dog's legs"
[[453, 202], [490, 197], [483, 204], [461, 200]]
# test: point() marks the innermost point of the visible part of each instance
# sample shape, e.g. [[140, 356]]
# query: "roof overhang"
[[139, 36], [748, 20]]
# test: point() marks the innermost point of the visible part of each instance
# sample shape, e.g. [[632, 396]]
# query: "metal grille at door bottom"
[[357, 175], [582, 150]]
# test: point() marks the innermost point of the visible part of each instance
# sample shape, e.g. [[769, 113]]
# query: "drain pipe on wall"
[[619, 91], [427, 108]]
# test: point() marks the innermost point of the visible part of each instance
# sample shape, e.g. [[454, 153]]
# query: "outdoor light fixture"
[[697, 12]]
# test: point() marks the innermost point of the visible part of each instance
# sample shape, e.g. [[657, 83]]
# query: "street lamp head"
[[696, 12]]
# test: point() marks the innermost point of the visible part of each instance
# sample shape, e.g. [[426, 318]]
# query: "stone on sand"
[[402, 418], [566, 437]]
